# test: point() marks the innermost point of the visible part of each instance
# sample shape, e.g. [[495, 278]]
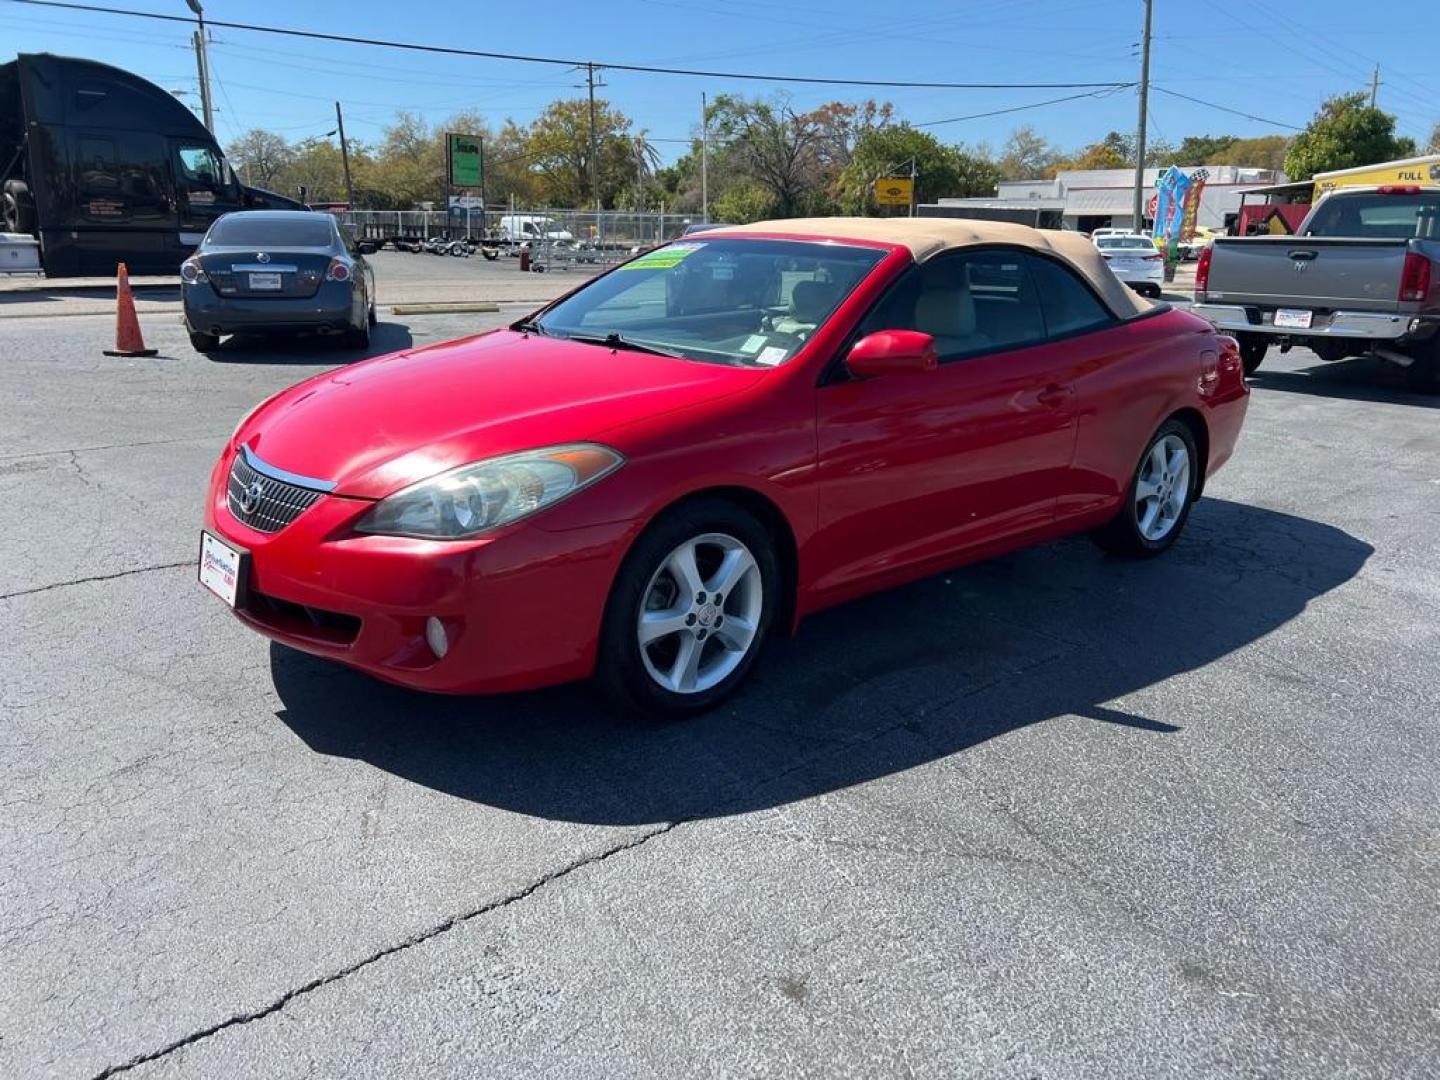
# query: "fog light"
[[436, 638]]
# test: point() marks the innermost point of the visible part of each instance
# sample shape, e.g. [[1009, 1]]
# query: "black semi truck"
[[103, 167]]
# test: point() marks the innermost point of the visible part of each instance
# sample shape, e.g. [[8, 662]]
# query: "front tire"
[[689, 612], [1158, 498], [19, 207]]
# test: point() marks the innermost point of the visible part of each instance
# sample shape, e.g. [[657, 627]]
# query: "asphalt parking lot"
[[1054, 815]]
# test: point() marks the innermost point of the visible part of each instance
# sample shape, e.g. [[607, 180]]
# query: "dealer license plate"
[[222, 568], [1293, 318], [265, 281]]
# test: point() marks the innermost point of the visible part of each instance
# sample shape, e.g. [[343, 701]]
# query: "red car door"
[[915, 468]]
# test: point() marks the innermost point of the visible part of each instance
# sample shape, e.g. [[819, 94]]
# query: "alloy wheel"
[[700, 613], [1162, 488]]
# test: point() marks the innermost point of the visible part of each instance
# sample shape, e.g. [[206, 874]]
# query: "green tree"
[[942, 171], [1432, 145], [260, 157], [1027, 155], [1345, 133], [772, 146], [1202, 149], [742, 203], [1264, 152], [558, 143]]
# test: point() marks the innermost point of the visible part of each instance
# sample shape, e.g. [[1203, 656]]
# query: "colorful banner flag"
[[1192, 203], [1171, 191]]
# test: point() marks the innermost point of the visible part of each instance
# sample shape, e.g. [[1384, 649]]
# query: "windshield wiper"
[[614, 340]]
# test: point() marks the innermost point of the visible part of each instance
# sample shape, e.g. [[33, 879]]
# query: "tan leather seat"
[[810, 303], [946, 311]]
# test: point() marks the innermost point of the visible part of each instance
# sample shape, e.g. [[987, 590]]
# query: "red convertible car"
[[645, 479]]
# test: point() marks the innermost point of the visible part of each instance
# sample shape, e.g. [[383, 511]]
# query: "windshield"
[[1137, 242], [253, 230], [746, 302], [1395, 217]]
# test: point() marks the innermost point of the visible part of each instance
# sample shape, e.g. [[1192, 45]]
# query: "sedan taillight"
[[1415, 277], [337, 271]]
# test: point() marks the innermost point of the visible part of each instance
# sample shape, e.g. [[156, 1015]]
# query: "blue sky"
[[1245, 54]]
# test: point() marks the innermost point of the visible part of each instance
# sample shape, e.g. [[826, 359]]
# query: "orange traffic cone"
[[128, 341]]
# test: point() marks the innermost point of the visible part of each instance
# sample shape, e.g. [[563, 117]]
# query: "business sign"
[[465, 158], [892, 191]]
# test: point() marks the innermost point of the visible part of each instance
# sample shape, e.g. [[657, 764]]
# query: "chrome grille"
[[275, 503]]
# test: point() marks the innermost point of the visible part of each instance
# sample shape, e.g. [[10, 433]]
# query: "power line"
[[556, 61], [1227, 109], [1021, 108]]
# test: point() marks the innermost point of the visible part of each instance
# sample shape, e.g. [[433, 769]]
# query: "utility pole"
[[1139, 208], [344, 156], [704, 159], [594, 161], [914, 172], [202, 65], [1375, 86]]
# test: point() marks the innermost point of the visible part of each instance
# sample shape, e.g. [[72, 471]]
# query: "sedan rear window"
[[1141, 243], [748, 302], [302, 230]]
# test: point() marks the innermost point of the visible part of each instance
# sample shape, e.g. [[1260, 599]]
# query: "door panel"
[[919, 466], [204, 188]]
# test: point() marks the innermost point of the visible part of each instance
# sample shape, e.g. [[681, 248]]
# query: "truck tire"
[[1423, 376], [1252, 351], [19, 207]]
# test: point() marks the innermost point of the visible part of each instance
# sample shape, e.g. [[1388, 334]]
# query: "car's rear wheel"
[[357, 337], [1253, 348], [689, 612], [1157, 502], [204, 343]]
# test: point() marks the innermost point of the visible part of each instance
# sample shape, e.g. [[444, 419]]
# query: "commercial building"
[[1087, 199]]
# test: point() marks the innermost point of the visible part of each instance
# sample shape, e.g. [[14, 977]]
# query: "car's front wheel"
[[1157, 502], [689, 612]]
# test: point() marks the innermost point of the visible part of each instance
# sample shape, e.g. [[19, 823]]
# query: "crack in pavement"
[[445, 927], [96, 577], [106, 446]]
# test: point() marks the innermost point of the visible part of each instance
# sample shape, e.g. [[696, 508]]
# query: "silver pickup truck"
[[1361, 276]]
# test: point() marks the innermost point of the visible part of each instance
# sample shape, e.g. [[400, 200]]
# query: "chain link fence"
[[551, 237]]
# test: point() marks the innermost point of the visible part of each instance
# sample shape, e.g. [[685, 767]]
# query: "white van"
[[519, 228]]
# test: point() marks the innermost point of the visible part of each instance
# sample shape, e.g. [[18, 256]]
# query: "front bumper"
[[522, 607], [206, 311], [1364, 325]]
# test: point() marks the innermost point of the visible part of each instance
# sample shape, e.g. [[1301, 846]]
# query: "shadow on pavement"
[[1360, 378], [385, 337], [869, 689]]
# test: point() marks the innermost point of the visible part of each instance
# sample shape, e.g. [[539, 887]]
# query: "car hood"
[[380, 425]]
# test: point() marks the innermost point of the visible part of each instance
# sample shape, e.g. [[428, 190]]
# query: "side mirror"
[[892, 352]]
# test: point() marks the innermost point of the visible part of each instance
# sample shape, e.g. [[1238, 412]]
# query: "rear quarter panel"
[[1133, 377]]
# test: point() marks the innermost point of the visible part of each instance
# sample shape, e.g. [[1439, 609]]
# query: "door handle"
[[1053, 396]]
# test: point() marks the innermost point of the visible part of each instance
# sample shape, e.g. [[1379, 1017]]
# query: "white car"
[[1135, 260], [1108, 231]]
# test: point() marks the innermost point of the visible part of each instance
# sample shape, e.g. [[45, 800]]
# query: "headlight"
[[487, 494]]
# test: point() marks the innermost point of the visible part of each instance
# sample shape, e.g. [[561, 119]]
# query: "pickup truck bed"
[[1339, 295]]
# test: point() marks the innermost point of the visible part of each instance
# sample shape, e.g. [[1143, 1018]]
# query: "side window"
[[970, 303], [1068, 304]]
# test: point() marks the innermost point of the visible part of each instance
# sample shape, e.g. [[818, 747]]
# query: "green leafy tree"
[[1264, 152], [558, 143], [1202, 149], [1027, 155], [1345, 133], [743, 202], [771, 146]]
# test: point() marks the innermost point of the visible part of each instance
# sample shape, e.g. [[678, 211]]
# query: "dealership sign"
[[465, 158], [891, 191]]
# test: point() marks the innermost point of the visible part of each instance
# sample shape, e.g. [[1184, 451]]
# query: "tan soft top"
[[927, 237]]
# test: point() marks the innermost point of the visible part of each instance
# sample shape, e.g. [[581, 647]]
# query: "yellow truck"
[[1419, 170]]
